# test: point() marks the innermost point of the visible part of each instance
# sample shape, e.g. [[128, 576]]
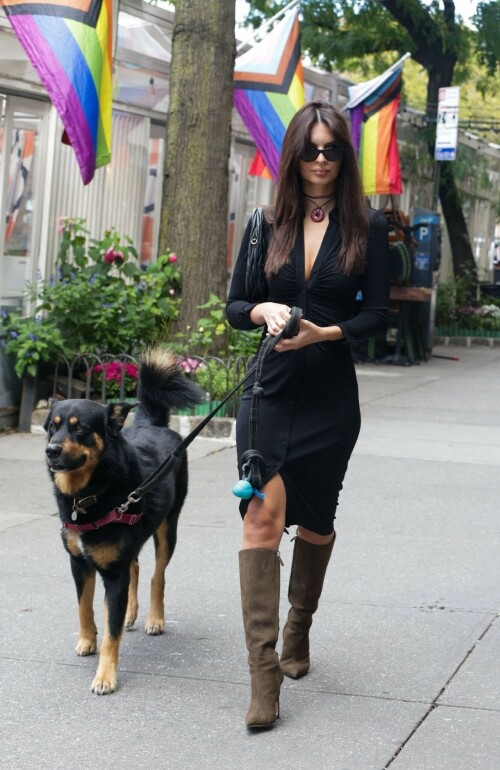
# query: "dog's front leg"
[[115, 605], [84, 577]]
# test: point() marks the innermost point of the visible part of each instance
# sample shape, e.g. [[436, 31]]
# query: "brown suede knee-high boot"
[[306, 583], [260, 589]]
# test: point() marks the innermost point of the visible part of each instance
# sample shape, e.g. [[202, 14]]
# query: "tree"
[[487, 20], [340, 32], [196, 177]]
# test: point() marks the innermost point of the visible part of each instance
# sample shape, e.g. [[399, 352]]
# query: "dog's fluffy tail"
[[163, 386]]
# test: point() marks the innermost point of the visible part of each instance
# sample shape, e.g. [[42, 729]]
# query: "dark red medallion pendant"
[[317, 215]]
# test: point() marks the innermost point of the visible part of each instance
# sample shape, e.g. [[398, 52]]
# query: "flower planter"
[[456, 331]]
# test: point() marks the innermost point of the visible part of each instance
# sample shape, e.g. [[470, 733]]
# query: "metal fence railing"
[[107, 377]]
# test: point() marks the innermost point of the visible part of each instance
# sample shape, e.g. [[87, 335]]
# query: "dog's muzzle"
[[59, 463]]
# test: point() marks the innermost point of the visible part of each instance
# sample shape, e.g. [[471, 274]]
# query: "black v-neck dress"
[[309, 417]]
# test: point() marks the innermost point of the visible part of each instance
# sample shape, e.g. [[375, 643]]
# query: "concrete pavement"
[[405, 646]]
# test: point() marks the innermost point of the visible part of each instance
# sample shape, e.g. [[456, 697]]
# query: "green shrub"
[[101, 299]]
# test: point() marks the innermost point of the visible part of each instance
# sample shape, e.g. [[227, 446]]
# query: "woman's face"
[[320, 173]]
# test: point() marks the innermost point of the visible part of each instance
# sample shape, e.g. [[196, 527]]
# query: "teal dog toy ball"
[[243, 489]]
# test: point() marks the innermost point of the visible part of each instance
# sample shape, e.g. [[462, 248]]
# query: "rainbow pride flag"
[[69, 44], [269, 89], [374, 108]]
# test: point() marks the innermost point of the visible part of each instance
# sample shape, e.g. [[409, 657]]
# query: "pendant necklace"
[[317, 214]]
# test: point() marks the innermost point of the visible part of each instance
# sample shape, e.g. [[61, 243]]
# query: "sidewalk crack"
[[435, 703]]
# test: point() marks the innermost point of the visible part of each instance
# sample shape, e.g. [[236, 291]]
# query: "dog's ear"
[[117, 414]]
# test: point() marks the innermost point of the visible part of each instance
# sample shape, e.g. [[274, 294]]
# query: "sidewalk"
[[405, 646]]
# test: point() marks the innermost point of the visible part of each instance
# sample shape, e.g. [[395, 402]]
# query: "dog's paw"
[[86, 647], [130, 620], [104, 682], [155, 626]]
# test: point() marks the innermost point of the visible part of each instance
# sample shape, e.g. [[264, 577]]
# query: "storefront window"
[[142, 58], [20, 180]]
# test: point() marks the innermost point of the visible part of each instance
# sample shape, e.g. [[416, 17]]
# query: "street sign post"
[[447, 124], [446, 134]]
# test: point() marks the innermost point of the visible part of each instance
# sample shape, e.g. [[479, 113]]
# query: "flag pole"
[[251, 41]]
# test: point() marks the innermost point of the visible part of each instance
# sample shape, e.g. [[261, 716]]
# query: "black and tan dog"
[[94, 465]]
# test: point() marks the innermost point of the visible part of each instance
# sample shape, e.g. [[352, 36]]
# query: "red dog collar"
[[113, 516]]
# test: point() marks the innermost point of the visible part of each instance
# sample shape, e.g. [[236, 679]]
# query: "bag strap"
[[256, 251]]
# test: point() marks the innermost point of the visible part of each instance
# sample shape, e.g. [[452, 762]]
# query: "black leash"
[[253, 465], [289, 330]]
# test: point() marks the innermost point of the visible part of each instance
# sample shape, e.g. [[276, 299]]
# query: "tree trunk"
[[461, 247], [449, 195], [196, 179], [437, 44]]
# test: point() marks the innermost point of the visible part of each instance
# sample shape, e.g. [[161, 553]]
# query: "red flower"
[[113, 256]]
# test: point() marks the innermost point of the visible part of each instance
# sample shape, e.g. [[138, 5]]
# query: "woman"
[[324, 246]]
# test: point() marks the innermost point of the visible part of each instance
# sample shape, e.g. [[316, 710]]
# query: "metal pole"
[[435, 190]]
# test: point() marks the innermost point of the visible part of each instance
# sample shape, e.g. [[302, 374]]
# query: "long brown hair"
[[289, 210]]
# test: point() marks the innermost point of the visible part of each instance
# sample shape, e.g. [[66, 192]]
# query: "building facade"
[[40, 181]]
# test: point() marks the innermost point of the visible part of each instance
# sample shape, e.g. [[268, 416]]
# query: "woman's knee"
[[262, 521], [312, 537]]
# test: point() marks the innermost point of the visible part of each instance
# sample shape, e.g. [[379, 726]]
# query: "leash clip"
[[132, 498]]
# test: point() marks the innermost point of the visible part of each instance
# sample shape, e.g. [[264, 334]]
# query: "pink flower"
[[172, 258], [111, 255], [190, 365]]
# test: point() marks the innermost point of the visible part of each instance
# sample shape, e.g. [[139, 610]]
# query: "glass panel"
[[21, 168], [150, 219], [140, 86], [143, 37], [12, 57], [141, 63]]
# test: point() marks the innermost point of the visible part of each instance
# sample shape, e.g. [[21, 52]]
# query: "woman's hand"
[[309, 333], [274, 315]]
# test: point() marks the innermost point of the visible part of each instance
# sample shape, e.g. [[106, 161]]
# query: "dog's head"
[[78, 432]]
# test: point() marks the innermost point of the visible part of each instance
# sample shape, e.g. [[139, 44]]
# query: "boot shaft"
[[260, 593], [307, 574]]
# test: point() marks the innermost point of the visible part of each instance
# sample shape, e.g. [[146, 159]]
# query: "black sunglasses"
[[330, 153]]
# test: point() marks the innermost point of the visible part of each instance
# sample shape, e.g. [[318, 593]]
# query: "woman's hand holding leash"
[[274, 315], [308, 334]]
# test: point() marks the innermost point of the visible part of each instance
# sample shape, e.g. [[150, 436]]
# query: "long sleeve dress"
[[309, 417]]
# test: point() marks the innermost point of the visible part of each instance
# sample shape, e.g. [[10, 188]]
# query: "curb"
[[218, 427]]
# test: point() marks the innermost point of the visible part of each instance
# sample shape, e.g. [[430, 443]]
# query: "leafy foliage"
[[216, 379], [100, 300], [459, 306], [487, 21], [31, 341], [213, 333], [362, 38]]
